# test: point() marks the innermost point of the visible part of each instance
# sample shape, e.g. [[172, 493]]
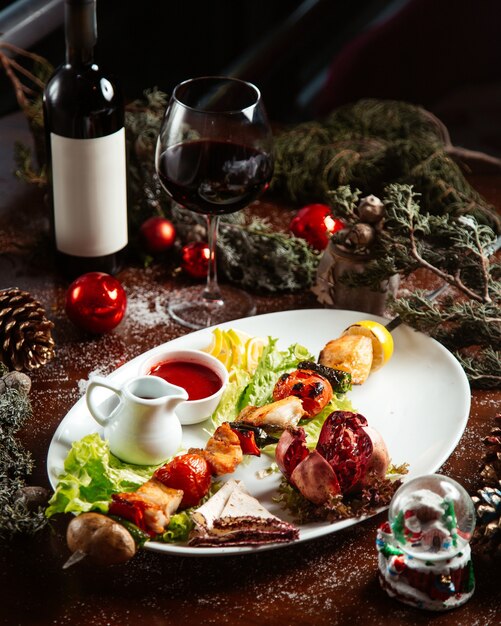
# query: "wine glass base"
[[189, 308]]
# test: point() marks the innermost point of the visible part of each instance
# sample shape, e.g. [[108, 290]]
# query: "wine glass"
[[213, 157]]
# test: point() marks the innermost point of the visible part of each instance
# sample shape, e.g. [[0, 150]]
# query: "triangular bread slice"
[[233, 517], [206, 514]]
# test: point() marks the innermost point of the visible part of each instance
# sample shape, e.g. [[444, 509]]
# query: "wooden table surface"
[[328, 581]]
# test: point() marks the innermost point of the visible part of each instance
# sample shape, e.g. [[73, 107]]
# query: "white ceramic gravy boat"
[[142, 428]]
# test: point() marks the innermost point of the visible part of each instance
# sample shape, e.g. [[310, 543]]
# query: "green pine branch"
[[484, 369]]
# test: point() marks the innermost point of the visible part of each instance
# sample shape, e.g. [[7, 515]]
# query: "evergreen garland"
[[243, 244], [387, 148], [457, 249], [369, 145], [16, 464], [250, 253]]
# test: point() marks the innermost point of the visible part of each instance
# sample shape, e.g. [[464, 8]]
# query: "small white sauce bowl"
[[191, 411]]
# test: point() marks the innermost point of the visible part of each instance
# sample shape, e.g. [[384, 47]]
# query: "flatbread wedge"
[[232, 517]]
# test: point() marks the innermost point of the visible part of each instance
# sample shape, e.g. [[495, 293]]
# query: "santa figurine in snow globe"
[[424, 556]]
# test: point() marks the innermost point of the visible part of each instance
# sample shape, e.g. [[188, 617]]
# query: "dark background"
[[309, 56], [282, 45]]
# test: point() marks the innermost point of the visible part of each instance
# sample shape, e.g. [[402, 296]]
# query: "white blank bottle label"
[[90, 194]]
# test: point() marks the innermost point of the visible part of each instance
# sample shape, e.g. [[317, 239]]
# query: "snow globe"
[[424, 556]]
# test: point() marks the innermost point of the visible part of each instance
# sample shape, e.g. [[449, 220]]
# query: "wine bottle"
[[85, 139]]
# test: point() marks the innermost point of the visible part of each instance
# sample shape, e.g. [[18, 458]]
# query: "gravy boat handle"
[[97, 382]]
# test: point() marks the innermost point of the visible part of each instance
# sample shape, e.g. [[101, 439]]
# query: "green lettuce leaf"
[[91, 474], [272, 364], [227, 408], [179, 528], [256, 390]]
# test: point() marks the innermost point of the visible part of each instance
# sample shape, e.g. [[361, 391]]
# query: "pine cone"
[[487, 536], [491, 470], [25, 333]]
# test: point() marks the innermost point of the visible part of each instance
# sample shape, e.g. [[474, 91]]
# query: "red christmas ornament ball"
[[157, 234], [96, 302], [195, 259], [315, 223]]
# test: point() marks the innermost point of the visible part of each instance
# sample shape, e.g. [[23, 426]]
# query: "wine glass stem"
[[212, 293]]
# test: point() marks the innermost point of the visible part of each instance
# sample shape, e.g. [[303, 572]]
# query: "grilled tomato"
[[311, 388], [189, 472]]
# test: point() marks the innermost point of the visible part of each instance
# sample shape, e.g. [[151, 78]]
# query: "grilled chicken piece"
[[222, 451], [150, 507], [156, 492], [350, 353], [281, 414]]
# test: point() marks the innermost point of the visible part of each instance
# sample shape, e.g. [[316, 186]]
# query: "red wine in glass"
[[214, 177], [213, 157]]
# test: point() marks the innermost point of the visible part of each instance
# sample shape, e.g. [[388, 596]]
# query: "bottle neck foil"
[[80, 31]]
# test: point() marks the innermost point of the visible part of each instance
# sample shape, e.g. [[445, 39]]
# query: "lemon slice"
[[236, 342], [236, 349], [253, 350], [216, 343], [382, 341], [238, 336], [220, 347], [225, 354]]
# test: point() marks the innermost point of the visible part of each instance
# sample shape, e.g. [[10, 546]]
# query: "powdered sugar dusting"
[[147, 308], [327, 582]]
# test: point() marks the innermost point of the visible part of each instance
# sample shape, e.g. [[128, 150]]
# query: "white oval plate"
[[420, 402]]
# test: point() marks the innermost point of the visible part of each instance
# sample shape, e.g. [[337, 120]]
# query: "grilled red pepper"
[[130, 508], [247, 441]]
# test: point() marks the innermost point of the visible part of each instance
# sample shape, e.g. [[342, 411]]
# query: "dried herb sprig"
[[455, 323], [483, 370], [28, 73], [28, 83], [370, 144], [284, 263], [457, 250], [16, 464], [250, 252], [367, 502]]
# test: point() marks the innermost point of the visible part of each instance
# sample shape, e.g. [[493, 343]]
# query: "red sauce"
[[198, 380]]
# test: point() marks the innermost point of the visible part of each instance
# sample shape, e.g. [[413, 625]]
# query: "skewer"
[[433, 295], [76, 557]]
